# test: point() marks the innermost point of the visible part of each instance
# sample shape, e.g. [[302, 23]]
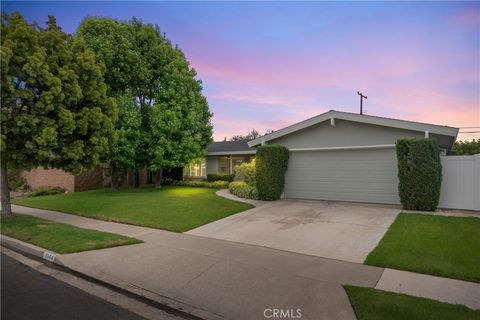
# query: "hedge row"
[[202, 184], [419, 173], [243, 190], [45, 191], [271, 163], [220, 177]]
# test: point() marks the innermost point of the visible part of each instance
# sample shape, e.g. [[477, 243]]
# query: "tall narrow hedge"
[[270, 166], [419, 173]]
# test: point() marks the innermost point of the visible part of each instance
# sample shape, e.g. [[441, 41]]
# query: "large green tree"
[[55, 111], [175, 119], [179, 122], [466, 147], [114, 45], [127, 135]]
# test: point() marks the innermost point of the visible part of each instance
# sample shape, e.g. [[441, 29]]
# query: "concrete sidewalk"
[[214, 279]]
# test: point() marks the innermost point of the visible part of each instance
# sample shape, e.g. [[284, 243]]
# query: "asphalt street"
[[28, 294]]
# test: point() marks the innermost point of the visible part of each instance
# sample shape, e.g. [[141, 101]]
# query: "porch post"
[[231, 165]]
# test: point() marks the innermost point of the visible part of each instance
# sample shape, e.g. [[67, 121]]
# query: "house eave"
[[228, 153]]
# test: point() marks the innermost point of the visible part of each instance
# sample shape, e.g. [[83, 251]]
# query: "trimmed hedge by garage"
[[211, 177], [243, 190], [419, 173], [271, 163]]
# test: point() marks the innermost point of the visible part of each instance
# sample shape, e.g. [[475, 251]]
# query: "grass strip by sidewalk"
[[59, 237], [431, 244], [172, 208], [373, 304]]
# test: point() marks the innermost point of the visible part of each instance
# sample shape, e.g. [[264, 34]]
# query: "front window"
[[224, 164], [228, 164], [196, 169]]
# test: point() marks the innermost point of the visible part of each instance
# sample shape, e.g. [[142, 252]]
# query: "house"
[[221, 157], [333, 156], [348, 157]]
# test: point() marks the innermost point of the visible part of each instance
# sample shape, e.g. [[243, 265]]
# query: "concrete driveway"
[[337, 230]]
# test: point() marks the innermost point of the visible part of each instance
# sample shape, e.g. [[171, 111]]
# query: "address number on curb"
[[49, 256]]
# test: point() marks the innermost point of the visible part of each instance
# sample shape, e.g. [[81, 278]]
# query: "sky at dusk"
[[266, 65]]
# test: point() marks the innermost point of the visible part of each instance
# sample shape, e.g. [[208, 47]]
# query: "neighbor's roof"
[[387, 122], [229, 147]]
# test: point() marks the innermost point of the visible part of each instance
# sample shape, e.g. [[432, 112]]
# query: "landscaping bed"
[[373, 304], [437, 245], [59, 237], [170, 208]]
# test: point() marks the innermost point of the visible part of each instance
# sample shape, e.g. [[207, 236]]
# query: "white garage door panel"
[[365, 175]]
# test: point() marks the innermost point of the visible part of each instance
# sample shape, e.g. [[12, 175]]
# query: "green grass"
[[171, 208], [437, 245], [59, 237], [373, 304]]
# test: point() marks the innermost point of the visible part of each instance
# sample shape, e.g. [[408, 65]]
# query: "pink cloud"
[[401, 77]]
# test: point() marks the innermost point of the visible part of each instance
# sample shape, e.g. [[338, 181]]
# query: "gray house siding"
[[348, 157], [344, 133], [366, 173]]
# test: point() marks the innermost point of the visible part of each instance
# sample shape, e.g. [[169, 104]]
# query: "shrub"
[[243, 190], [219, 184], [419, 173], [202, 184], [45, 191], [15, 179], [220, 177], [270, 166], [167, 181], [245, 172]]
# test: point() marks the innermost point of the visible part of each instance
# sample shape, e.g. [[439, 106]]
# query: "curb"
[[31, 250], [161, 302]]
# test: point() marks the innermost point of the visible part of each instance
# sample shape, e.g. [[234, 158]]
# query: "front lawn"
[[373, 304], [171, 208], [59, 237], [437, 245]]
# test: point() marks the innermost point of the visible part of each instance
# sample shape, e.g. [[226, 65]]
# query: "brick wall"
[[94, 179], [89, 180], [41, 177]]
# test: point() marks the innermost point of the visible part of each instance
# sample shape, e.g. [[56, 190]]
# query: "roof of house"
[[229, 147], [387, 122]]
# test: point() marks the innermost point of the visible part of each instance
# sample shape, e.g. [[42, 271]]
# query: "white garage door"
[[363, 175]]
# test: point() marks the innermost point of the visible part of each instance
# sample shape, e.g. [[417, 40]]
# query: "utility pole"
[[361, 101]]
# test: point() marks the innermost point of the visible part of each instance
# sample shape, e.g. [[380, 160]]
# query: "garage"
[[363, 175], [345, 156]]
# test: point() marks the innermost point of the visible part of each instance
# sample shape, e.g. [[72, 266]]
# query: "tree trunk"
[[114, 176], [136, 179], [158, 178], [5, 190]]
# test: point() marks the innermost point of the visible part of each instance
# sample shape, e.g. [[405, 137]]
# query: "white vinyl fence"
[[461, 182]]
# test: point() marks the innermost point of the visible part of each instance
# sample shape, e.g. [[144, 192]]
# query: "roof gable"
[[332, 114]]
